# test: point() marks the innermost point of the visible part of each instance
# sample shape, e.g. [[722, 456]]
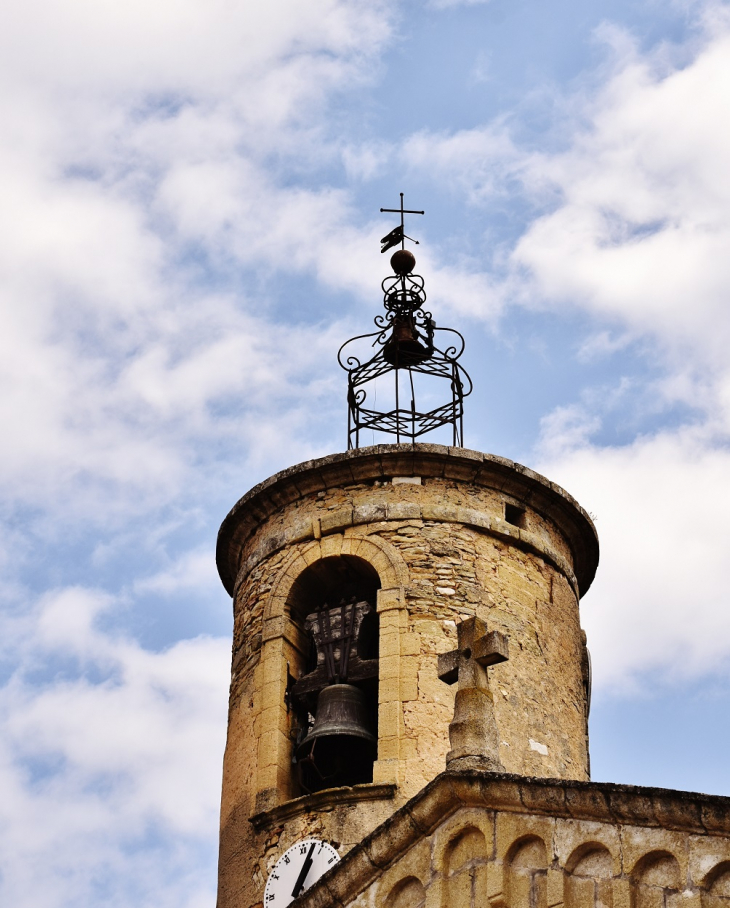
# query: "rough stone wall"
[[457, 572], [456, 556], [481, 858], [454, 571]]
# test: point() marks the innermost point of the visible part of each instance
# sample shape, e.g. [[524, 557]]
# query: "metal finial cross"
[[398, 235]]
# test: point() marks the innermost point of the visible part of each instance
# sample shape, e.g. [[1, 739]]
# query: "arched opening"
[[468, 846], [333, 688], [408, 893], [716, 891]]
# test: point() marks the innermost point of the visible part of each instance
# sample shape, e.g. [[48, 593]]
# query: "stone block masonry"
[[487, 840], [429, 527]]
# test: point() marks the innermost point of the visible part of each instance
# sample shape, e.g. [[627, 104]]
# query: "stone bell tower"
[[415, 539], [399, 610]]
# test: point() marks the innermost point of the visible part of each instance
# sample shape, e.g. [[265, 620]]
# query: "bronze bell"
[[340, 748], [403, 347]]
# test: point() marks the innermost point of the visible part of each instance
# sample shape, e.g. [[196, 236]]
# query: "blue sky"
[[190, 228]]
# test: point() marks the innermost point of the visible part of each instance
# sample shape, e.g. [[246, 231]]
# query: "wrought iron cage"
[[408, 345]]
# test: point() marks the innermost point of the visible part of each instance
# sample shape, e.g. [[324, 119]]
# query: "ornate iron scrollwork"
[[407, 343]]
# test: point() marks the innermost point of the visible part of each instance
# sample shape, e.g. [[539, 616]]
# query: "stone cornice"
[[660, 808], [426, 460], [322, 800]]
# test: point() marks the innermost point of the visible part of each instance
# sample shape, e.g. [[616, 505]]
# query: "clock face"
[[296, 870]]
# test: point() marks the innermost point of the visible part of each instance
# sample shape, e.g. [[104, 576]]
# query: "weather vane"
[[397, 235], [405, 348]]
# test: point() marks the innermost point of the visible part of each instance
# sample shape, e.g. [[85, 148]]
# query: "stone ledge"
[[427, 460], [322, 800]]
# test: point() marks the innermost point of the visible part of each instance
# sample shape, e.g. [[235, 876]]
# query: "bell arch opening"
[[333, 683]]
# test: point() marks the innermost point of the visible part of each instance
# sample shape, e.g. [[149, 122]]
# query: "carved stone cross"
[[473, 731]]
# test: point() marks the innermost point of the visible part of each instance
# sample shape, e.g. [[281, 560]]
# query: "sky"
[[189, 230]]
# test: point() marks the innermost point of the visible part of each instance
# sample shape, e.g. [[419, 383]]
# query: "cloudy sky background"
[[189, 230]]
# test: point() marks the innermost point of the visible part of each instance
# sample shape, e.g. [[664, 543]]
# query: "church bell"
[[340, 747], [403, 347]]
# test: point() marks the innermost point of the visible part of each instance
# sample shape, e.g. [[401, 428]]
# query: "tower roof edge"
[[403, 460]]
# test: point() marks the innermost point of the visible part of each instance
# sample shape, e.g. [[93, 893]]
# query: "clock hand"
[[299, 885]]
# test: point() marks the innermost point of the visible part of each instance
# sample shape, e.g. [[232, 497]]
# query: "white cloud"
[[567, 428], [637, 202], [136, 155], [156, 165], [108, 750], [449, 4], [190, 571], [640, 238], [478, 161], [659, 601], [182, 46], [367, 160], [602, 344]]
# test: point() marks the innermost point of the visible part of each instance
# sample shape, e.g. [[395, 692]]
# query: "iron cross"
[[477, 650], [398, 235]]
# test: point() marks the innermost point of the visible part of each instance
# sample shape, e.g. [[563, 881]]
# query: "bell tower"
[[374, 591]]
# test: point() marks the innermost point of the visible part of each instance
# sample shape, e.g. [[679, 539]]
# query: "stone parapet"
[[349, 518], [471, 839]]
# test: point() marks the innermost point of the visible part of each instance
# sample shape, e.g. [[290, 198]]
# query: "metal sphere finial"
[[403, 261]]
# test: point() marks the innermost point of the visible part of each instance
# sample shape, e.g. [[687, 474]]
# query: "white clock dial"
[[296, 870]]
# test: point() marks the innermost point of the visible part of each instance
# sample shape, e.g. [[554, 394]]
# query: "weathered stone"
[[586, 801], [336, 521], [402, 510], [543, 799], [442, 552], [381, 849], [674, 813], [541, 860], [368, 513]]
